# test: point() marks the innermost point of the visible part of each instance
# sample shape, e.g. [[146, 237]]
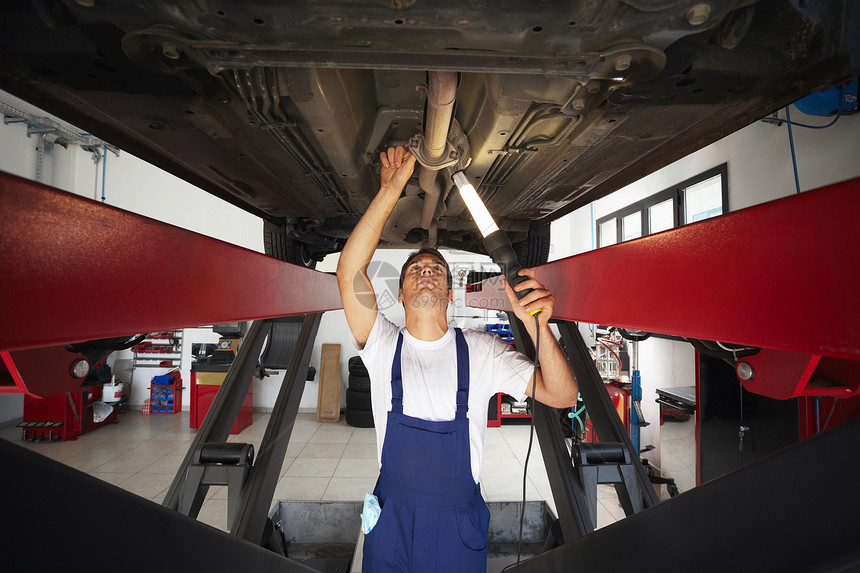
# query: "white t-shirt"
[[429, 371]]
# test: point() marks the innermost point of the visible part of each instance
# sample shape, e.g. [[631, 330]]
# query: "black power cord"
[[531, 441]]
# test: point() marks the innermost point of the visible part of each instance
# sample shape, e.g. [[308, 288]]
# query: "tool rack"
[[161, 349], [165, 394]]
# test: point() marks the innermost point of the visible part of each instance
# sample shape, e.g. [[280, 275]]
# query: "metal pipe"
[[441, 94], [432, 190]]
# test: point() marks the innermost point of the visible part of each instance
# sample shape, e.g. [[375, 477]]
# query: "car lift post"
[[257, 496], [219, 419], [575, 507], [792, 300], [247, 511]]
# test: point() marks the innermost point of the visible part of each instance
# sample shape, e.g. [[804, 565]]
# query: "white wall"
[[759, 170], [134, 185]]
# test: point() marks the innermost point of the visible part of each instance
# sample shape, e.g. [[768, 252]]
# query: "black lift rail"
[[574, 489], [251, 483]]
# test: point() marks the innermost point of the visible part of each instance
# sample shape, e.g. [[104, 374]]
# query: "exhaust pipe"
[[433, 151], [441, 94]]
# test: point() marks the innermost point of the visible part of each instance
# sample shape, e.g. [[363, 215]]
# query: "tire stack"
[[358, 407]]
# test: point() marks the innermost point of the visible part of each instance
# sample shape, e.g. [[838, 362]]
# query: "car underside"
[[283, 108]]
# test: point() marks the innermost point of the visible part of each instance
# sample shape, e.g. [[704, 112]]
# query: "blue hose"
[[104, 163]]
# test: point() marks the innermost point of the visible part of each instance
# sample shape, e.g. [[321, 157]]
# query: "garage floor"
[[324, 461]]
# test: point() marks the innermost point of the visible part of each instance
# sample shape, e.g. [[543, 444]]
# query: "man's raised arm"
[[556, 384], [359, 300]]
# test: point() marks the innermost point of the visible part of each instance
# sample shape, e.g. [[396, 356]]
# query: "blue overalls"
[[433, 516]]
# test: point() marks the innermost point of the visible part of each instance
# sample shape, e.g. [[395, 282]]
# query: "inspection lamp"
[[497, 243]]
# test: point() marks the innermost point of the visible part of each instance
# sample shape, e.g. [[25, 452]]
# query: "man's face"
[[425, 280]]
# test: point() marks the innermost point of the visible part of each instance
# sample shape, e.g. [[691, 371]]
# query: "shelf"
[[158, 347]]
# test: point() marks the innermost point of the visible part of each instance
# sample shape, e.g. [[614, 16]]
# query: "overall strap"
[[462, 375], [397, 379]]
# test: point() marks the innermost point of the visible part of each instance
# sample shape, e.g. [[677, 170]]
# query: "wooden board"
[[328, 400]]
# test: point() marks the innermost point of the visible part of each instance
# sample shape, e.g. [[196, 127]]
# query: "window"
[[631, 226], [661, 216], [696, 199], [703, 200], [607, 233]]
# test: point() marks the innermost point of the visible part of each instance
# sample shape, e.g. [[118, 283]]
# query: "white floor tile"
[[357, 468], [127, 463], [146, 485], [501, 489], [322, 450], [348, 489], [165, 465], [301, 488], [501, 467], [313, 467], [286, 465], [214, 513], [332, 434], [361, 451], [294, 449], [363, 436]]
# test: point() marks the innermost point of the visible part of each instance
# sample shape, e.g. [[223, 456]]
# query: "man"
[[430, 385]]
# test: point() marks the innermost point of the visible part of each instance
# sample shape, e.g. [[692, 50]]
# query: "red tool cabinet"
[[202, 396]]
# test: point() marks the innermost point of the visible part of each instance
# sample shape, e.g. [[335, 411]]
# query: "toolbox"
[[165, 393]]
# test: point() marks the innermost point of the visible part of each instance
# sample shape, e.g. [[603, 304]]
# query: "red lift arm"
[[75, 269], [778, 275], [781, 275]]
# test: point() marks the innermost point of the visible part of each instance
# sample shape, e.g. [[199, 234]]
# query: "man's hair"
[[427, 251]]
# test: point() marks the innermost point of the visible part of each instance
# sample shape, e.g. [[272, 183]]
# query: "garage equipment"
[[208, 373], [62, 417], [187, 492], [677, 402], [809, 225], [606, 464], [218, 464], [165, 393]]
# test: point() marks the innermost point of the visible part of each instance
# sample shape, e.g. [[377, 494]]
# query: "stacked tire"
[[358, 406]]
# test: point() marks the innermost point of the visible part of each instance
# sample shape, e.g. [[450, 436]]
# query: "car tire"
[[359, 418], [359, 383], [357, 368], [358, 400], [534, 250], [278, 244]]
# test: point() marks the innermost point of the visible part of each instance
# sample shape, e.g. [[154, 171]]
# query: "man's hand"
[[397, 166], [539, 299]]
